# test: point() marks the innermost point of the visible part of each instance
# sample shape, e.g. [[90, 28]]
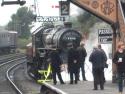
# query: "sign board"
[[104, 9], [49, 18], [105, 36], [64, 8]]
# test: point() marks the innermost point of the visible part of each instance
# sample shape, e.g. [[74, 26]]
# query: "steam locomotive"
[[46, 39]]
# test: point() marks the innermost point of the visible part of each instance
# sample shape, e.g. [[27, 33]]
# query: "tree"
[[21, 22]]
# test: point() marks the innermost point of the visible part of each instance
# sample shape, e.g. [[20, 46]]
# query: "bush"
[[21, 43]]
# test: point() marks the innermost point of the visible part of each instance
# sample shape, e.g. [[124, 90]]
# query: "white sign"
[[105, 36]]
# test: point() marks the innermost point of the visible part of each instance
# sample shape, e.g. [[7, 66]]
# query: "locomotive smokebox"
[[68, 24]]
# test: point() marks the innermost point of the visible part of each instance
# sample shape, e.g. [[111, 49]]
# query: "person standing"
[[119, 61], [73, 65], [97, 58], [81, 60], [105, 66], [55, 65]]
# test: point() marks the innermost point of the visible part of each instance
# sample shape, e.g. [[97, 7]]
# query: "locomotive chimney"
[[68, 24]]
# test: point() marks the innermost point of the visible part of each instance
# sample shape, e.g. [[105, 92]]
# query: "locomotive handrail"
[[46, 48], [46, 74]]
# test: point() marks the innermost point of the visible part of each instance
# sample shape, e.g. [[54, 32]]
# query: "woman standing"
[[119, 60]]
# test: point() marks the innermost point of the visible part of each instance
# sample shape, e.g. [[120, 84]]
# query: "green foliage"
[[21, 22], [23, 42]]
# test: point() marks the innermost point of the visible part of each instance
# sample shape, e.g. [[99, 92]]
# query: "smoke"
[[91, 42]]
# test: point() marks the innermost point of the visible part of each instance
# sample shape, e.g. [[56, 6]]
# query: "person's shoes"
[[95, 89], [54, 83], [78, 79], [62, 83], [120, 92], [76, 82], [84, 80], [102, 88], [71, 83]]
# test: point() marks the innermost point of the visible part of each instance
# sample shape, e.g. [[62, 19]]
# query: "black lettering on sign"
[[105, 36]]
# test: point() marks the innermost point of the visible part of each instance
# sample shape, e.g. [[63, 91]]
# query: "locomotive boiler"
[[46, 39]]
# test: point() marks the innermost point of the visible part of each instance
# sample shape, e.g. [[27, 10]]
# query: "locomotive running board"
[[46, 48]]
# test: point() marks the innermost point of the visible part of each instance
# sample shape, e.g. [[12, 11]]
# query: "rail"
[[49, 89], [9, 78]]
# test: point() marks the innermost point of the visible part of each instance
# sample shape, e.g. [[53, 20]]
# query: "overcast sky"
[[45, 9]]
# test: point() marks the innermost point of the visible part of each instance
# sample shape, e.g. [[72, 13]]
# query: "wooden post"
[[113, 51], [107, 10]]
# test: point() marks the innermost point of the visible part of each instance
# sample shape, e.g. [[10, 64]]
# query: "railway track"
[[8, 57], [5, 87], [14, 79], [10, 77], [21, 81]]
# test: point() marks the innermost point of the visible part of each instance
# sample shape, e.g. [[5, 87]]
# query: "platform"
[[86, 87]]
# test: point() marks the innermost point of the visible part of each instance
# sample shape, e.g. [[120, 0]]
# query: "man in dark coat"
[[55, 65], [73, 65], [81, 59], [98, 59], [106, 65]]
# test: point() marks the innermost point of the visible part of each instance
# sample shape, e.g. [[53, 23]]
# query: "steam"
[[90, 43]]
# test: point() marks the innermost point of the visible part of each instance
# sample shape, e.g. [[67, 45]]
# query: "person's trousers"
[[98, 78], [83, 71], [120, 81], [72, 74], [54, 73]]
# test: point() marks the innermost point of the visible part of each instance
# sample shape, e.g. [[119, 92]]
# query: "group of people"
[[76, 58], [98, 58]]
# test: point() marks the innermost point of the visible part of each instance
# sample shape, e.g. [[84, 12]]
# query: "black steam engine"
[[46, 39]]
